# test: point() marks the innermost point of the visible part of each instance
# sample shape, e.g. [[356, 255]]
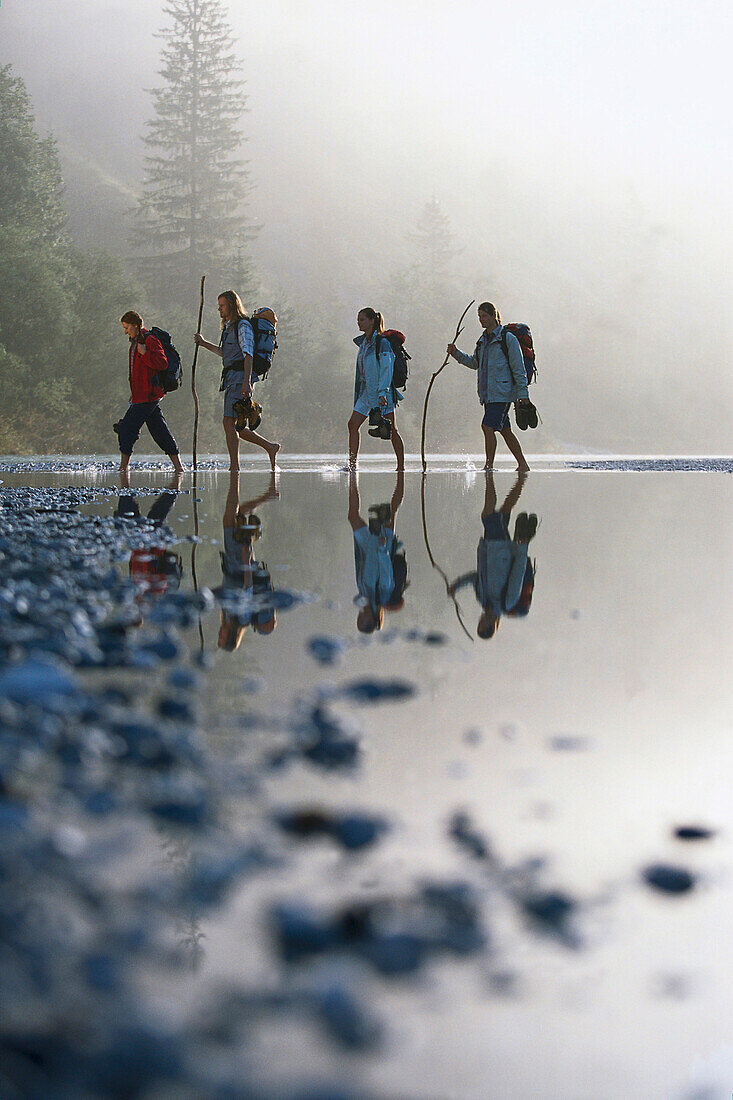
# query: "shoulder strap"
[[504, 346]]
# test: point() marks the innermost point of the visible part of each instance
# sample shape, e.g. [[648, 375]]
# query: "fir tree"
[[190, 215]]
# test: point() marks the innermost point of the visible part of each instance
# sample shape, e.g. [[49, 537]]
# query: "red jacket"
[[143, 386]]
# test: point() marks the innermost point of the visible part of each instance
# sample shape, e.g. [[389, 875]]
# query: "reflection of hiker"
[[153, 569], [379, 560], [374, 395], [146, 360], [241, 573], [502, 379], [236, 350], [504, 575]]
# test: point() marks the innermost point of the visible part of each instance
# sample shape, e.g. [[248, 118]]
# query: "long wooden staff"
[[433, 562], [459, 330], [193, 378]]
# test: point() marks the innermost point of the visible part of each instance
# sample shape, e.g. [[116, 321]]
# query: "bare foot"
[[273, 454], [490, 469], [234, 469], [523, 469]]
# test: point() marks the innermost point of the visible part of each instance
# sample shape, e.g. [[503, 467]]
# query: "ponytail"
[[376, 317]]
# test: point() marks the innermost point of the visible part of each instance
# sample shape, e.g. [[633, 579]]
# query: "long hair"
[[486, 307], [235, 306], [374, 315], [132, 317]]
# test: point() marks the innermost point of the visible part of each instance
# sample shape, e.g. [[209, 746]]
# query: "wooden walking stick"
[[459, 330], [193, 378]]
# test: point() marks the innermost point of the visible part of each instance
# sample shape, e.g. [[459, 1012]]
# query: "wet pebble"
[[378, 691], [668, 879]]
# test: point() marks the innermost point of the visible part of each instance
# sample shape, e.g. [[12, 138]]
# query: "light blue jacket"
[[500, 568], [373, 373], [498, 380]]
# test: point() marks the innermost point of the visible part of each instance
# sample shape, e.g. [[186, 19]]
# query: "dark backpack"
[[264, 331], [170, 378], [524, 335], [400, 372]]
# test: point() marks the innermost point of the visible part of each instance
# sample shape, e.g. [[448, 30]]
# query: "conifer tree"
[[191, 212]]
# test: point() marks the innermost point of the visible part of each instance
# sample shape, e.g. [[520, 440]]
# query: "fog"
[[580, 150]]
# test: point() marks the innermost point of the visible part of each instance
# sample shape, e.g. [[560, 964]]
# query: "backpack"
[[400, 372], [524, 335], [264, 331], [170, 378]]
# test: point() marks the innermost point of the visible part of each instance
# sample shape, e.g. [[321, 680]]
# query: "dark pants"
[[145, 412]]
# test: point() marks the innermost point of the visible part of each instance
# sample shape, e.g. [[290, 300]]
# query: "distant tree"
[[59, 307], [432, 249], [190, 217]]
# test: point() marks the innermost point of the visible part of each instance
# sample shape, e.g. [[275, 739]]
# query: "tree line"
[[62, 356]]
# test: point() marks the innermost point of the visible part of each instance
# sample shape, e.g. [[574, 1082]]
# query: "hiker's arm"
[[245, 338], [462, 581], [385, 359], [154, 356], [470, 361], [198, 339], [247, 381], [516, 366]]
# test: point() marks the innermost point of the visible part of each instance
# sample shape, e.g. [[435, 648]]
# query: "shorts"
[[233, 392], [496, 527], [495, 415], [363, 407]]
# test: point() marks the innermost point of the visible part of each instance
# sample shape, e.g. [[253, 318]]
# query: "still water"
[[543, 702]]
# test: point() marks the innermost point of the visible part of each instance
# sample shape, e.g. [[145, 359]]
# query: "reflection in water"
[[379, 558], [504, 576], [246, 582], [153, 569]]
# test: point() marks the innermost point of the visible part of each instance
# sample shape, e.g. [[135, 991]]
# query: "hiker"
[[502, 380], [379, 560], [146, 360], [245, 581], [154, 569], [374, 395], [501, 576], [238, 377]]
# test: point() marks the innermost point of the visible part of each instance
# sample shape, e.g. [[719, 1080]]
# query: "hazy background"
[[581, 152]]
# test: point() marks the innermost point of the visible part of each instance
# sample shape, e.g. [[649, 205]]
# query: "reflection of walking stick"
[[193, 376], [430, 553], [430, 386], [194, 544]]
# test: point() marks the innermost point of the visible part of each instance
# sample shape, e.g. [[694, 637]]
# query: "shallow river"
[[545, 766]]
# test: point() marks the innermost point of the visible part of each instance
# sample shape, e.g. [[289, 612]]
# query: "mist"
[[578, 151]]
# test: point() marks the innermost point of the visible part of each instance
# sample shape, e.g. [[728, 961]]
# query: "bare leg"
[[124, 463], [176, 460], [515, 447], [232, 443], [397, 443], [489, 497], [259, 441], [355, 422], [490, 446]]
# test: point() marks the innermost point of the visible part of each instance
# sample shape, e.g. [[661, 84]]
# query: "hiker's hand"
[[522, 401], [451, 590], [198, 339], [452, 349], [383, 400], [246, 390]]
